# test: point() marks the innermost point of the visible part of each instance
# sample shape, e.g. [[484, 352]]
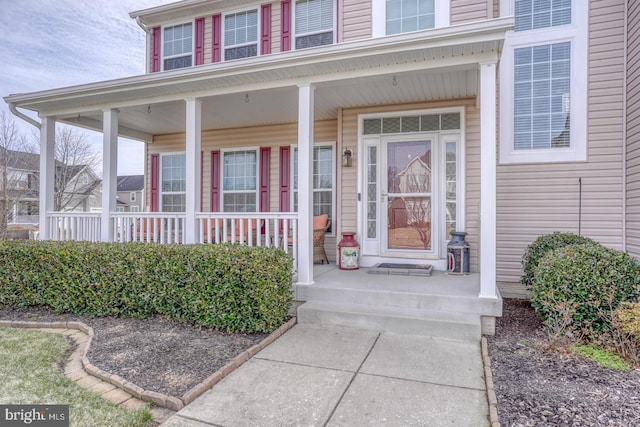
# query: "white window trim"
[[258, 31], [133, 196], [379, 16], [577, 34], [293, 25], [160, 191], [222, 190], [193, 42], [334, 166]]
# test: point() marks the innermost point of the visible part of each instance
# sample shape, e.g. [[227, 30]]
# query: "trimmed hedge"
[[581, 286], [230, 287], [543, 244]]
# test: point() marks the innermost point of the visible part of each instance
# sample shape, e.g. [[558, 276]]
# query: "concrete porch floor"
[[439, 283]]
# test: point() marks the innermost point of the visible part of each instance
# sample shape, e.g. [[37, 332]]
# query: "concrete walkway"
[[329, 376]]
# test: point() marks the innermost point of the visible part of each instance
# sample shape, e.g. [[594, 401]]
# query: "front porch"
[[441, 305]]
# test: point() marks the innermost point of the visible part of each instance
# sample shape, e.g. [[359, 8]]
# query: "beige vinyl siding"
[[356, 20], [208, 39], [463, 11], [347, 191], [535, 199], [276, 26], [633, 130]]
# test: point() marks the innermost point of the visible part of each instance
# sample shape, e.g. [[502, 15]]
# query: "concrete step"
[[401, 300], [440, 324]]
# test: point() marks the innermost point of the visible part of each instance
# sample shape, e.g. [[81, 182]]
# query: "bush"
[[230, 287], [542, 245], [580, 286]]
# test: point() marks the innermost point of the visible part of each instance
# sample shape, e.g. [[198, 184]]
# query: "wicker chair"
[[320, 226]]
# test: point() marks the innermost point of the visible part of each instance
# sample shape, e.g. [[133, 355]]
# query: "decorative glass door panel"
[[409, 195]]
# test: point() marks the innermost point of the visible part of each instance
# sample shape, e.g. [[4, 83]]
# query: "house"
[[77, 188], [18, 187], [526, 111], [130, 193]]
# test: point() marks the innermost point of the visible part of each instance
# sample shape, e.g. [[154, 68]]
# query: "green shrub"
[[542, 245], [580, 286], [231, 287]]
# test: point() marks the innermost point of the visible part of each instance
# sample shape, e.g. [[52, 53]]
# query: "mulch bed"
[[156, 354], [538, 384]]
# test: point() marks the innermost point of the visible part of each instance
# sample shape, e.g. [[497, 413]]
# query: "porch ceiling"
[[429, 65]]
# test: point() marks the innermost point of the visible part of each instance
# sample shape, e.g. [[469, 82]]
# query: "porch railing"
[[273, 229], [276, 229], [74, 226], [148, 227]]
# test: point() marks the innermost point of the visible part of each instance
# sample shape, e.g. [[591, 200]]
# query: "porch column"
[[488, 180], [47, 173], [109, 172], [305, 184], [192, 158]]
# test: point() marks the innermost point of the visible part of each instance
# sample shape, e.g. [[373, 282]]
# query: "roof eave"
[[488, 30]]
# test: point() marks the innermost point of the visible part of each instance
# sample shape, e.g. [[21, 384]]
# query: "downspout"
[[624, 130], [146, 44], [14, 110]]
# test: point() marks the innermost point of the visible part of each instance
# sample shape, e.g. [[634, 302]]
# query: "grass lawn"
[[29, 370]]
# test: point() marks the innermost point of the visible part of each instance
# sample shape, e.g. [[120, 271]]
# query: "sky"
[[48, 44]]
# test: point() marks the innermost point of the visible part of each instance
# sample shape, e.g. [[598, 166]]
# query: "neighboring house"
[[77, 188], [19, 186], [130, 193], [527, 112]]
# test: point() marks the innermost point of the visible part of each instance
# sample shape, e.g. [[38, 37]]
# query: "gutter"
[[14, 110]]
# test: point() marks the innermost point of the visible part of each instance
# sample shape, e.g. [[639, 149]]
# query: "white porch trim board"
[[305, 183], [488, 181], [47, 172], [109, 171], [192, 159]]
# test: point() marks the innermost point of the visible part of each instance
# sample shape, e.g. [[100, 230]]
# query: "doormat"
[[401, 269]]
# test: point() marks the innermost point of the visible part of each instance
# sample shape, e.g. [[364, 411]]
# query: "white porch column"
[[305, 184], [192, 156], [47, 173], [109, 172], [488, 180]]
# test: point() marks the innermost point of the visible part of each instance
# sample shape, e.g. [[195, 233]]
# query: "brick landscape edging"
[[159, 399], [491, 393]]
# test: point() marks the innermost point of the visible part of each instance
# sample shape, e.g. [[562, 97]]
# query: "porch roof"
[[426, 65]]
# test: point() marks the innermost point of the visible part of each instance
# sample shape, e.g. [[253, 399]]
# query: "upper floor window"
[[241, 34], [403, 16], [132, 196], [531, 15], [314, 23], [178, 46], [543, 91]]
